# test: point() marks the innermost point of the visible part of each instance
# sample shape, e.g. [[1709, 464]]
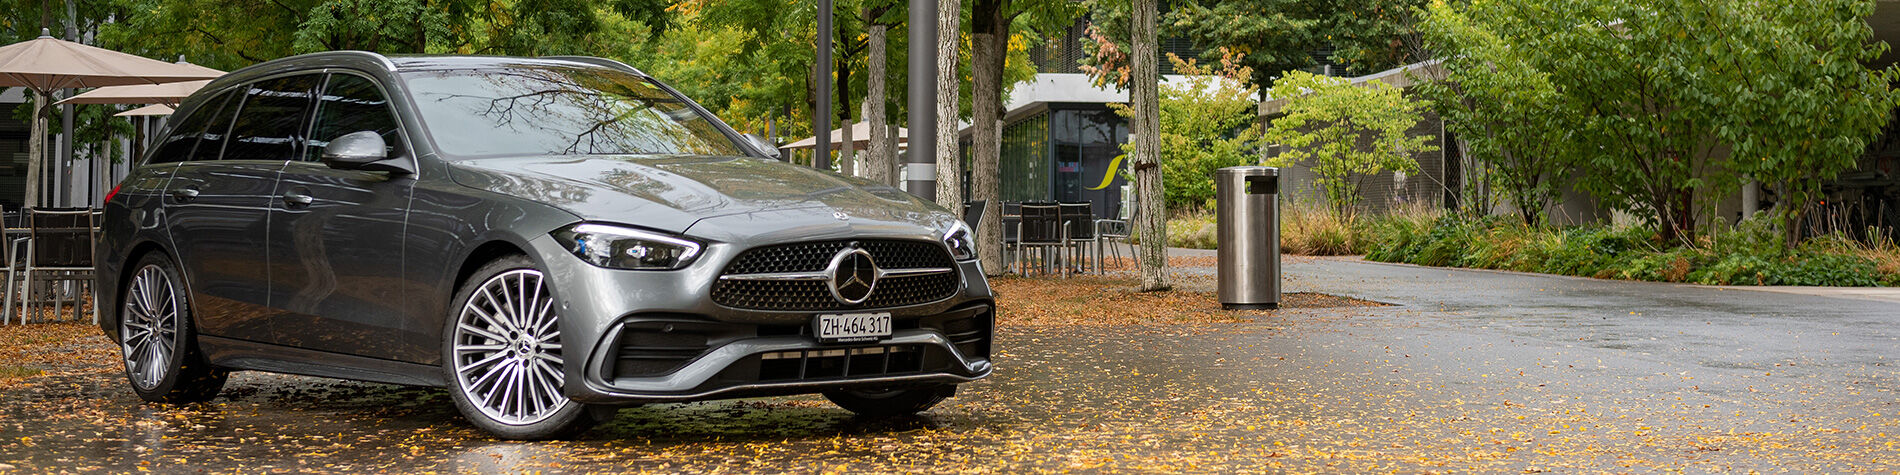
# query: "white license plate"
[[851, 327]]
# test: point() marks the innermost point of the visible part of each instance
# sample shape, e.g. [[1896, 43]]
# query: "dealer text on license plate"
[[852, 327]]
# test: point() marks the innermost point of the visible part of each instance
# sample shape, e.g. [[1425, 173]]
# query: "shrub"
[[1750, 254]]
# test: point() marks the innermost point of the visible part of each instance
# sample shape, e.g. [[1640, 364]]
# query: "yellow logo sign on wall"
[[1108, 176]]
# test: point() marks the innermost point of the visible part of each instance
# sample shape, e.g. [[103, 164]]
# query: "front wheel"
[[891, 402], [158, 341], [503, 355]]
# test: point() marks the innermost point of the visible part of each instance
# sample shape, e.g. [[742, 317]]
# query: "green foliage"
[[1204, 127], [1270, 37], [1493, 97], [1345, 133], [1750, 255], [1675, 101]]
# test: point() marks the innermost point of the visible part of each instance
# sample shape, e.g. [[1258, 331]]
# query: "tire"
[[891, 402], [501, 353], [158, 340]]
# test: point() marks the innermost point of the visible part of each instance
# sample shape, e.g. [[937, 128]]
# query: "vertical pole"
[[821, 155], [921, 163], [62, 169]]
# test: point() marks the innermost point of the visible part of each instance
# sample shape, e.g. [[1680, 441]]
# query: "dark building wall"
[[1065, 152]]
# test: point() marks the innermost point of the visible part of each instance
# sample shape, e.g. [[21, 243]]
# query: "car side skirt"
[[238, 354]]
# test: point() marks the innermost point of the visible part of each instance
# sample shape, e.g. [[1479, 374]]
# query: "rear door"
[[215, 207], [336, 236]]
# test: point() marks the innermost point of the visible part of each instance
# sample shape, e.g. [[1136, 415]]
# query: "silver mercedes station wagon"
[[547, 238]]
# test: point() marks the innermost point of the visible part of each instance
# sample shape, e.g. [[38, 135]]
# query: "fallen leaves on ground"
[[1037, 301]]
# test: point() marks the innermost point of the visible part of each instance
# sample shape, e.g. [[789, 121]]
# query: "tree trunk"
[[847, 151], [1260, 115], [882, 162], [989, 34], [1143, 85], [949, 162], [36, 149]]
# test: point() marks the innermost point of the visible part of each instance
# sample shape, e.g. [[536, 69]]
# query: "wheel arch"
[[108, 310]]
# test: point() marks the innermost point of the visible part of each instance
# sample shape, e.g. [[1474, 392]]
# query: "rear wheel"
[[503, 355], [158, 341], [890, 402]]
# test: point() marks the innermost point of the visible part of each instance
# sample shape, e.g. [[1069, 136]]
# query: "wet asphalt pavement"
[[1468, 370]]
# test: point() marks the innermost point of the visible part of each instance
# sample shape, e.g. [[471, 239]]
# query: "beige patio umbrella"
[[46, 64], [860, 133], [168, 94], [151, 110]]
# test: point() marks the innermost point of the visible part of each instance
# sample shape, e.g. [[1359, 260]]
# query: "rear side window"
[[177, 146], [269, 124], [351, 104]]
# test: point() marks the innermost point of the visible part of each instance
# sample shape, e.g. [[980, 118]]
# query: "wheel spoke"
[[519, 382], [545, 317], [493, 303], [479, 364], [465, 327], [494, 385], [489, 319], [507, 305]]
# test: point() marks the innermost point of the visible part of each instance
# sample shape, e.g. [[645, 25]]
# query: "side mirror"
[[771, 151], [364, 150]]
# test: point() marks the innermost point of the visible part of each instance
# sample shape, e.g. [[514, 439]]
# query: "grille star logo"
[[852, 275]]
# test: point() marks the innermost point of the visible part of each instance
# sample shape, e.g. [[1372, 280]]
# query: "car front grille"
[[757, 279]]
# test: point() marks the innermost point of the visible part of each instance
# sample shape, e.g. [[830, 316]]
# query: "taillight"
[[110, 194]]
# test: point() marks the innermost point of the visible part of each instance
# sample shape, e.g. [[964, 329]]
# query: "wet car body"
[[293, 266]]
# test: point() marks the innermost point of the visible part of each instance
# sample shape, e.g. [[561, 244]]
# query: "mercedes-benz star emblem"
[[852, 275]]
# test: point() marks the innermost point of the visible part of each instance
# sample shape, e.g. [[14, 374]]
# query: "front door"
[[215, 211], [336, 237]]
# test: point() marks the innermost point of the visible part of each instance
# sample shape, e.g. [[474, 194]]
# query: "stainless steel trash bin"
[[1248, 214]]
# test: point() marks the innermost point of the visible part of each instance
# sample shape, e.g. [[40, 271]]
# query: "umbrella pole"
[[36, 150]]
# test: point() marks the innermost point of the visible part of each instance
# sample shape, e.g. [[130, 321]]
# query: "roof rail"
[[597, 62]]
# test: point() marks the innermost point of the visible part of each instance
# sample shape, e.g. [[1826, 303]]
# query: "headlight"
[[626, 248], [962, 241]]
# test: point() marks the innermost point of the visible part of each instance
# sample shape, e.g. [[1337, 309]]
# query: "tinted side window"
[[351, 104], [269, 125], [177, 146], [219, 129]]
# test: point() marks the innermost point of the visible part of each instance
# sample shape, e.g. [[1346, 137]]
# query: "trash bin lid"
[[1249, 171]]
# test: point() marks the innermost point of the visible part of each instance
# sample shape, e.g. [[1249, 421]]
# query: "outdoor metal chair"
[[1012, 221], [1078, 234], [58, 250], [1041, 230], [1111, 235], [1114, 234], [9, 226]]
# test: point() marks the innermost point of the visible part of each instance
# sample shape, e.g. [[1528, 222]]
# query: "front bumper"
[[637, 336]]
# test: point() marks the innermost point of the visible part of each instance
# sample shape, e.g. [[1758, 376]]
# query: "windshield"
[[558, 111]]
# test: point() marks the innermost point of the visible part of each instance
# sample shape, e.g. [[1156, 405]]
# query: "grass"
[[1305, 229]]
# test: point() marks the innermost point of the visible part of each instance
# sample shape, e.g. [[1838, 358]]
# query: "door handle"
[[298, 198], [185, 194]]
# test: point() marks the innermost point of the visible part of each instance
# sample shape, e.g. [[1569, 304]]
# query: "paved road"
[[1467, 370]]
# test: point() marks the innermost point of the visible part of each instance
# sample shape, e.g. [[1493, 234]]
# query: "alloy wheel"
[[148, 332], [507, 349]]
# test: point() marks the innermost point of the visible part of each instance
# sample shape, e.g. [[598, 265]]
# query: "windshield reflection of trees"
[[576, 111]]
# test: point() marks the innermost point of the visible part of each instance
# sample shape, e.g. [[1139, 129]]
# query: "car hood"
[[674, 192]]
